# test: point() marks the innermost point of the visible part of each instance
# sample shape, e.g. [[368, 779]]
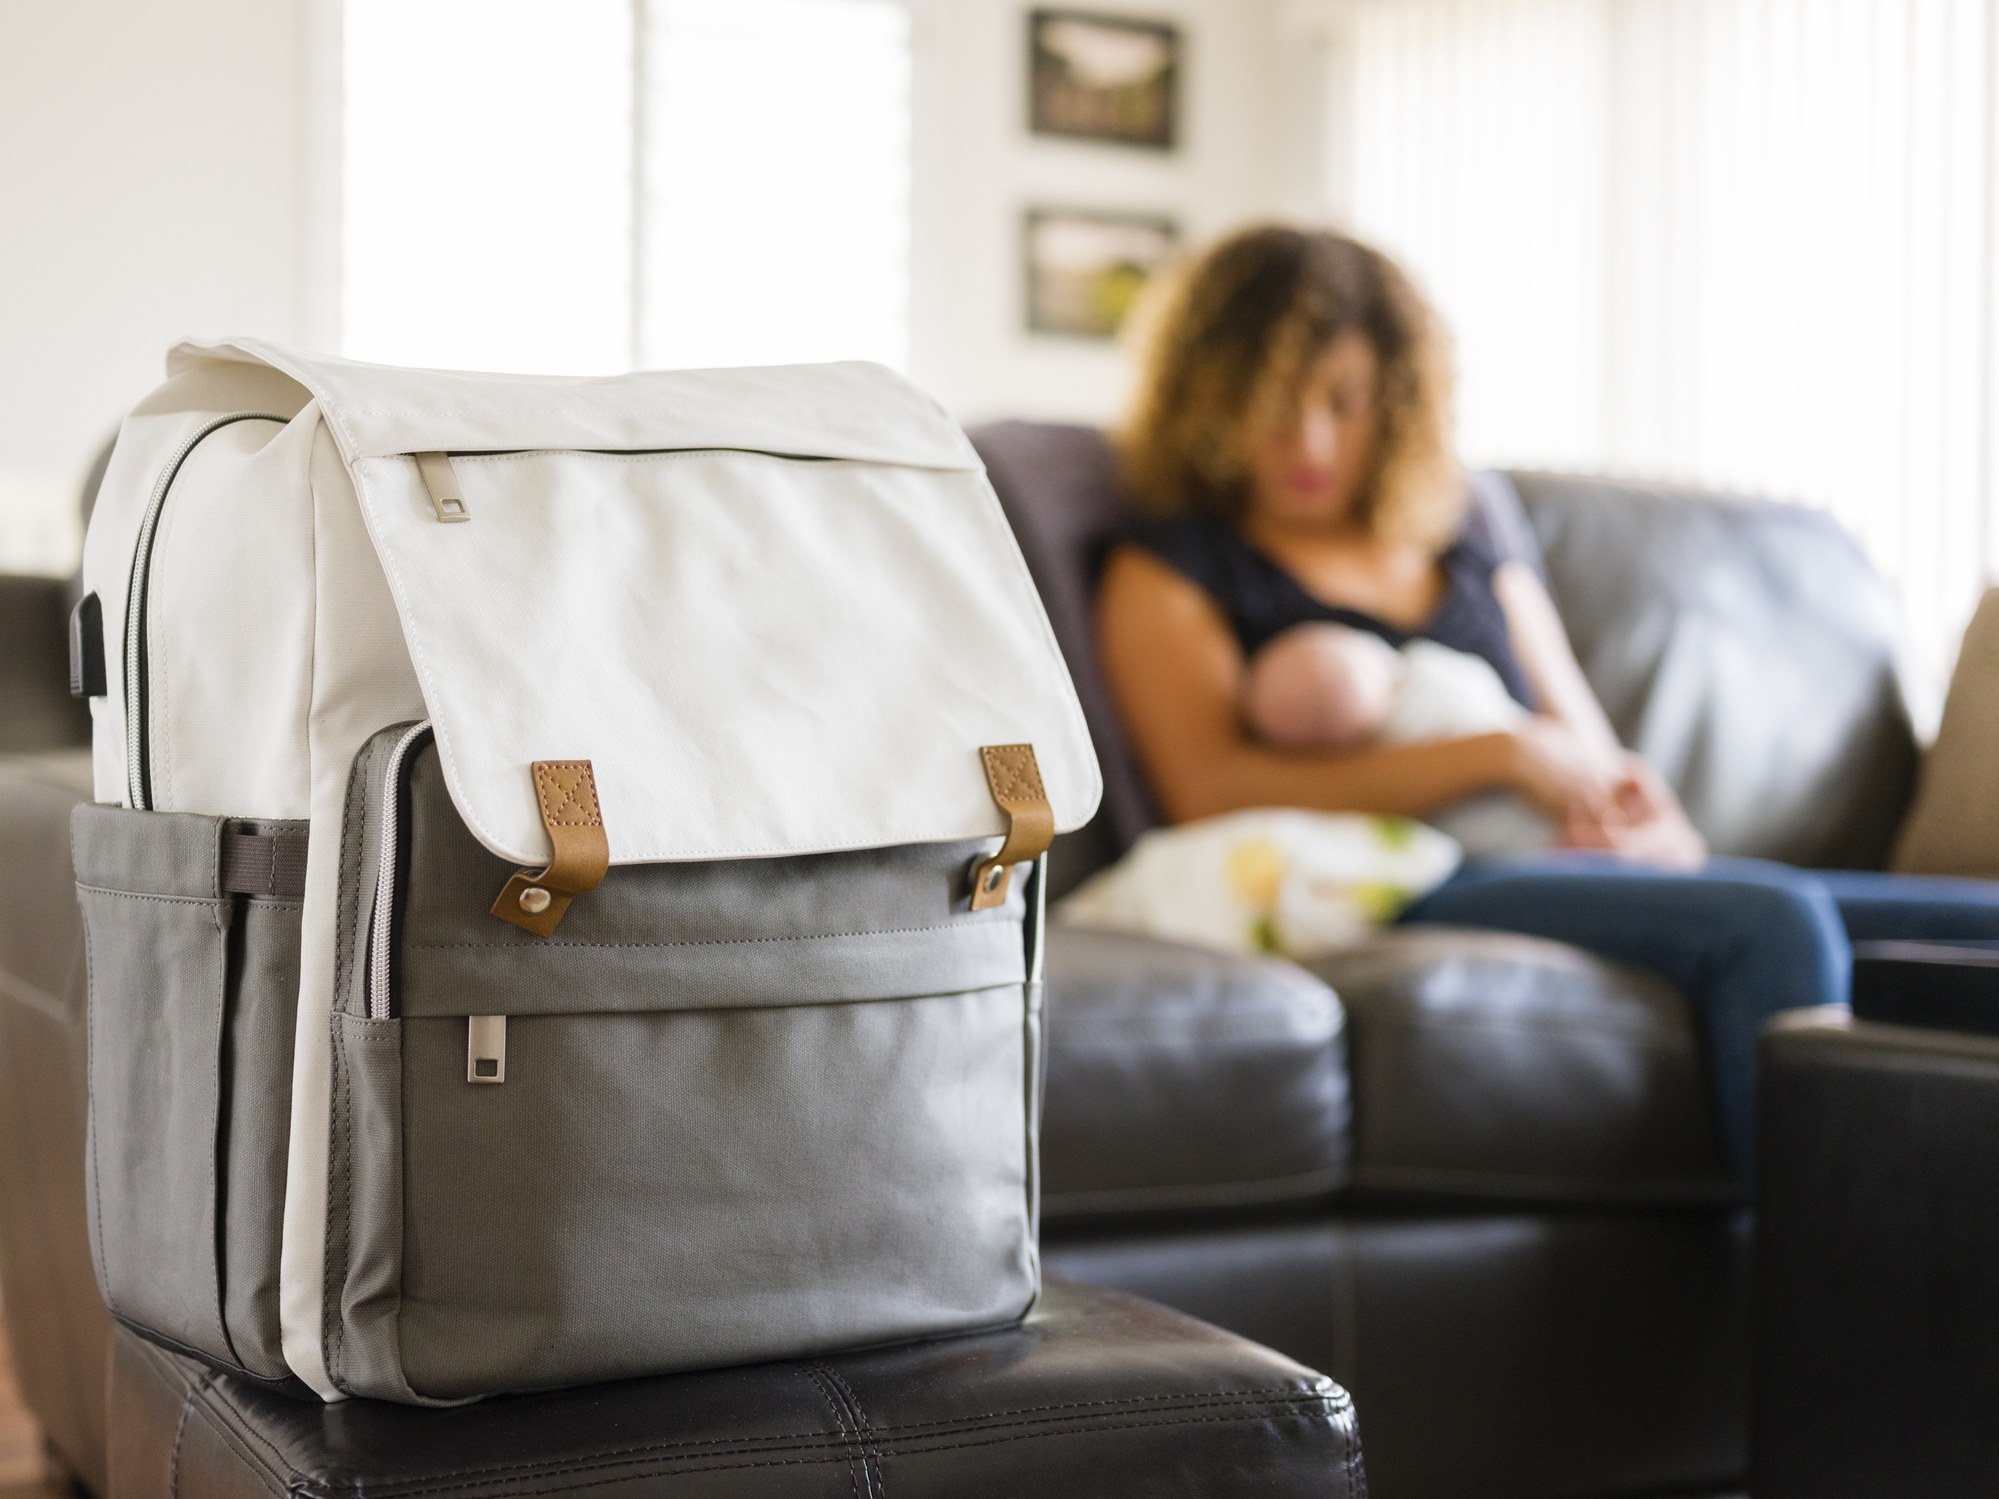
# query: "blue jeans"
[[1742, 939]]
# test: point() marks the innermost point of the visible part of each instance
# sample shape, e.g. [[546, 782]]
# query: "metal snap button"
[[534, 900]]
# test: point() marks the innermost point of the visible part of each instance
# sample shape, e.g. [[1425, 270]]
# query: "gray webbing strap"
[[263, 864]]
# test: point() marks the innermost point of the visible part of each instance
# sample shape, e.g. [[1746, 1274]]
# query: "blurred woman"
[[1290, 447]]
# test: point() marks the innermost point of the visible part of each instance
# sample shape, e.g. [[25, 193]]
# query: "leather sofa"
[[1471, 1176]]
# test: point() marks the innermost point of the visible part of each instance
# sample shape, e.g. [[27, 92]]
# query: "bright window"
[[775, 220], [487, 184], [608, 183]]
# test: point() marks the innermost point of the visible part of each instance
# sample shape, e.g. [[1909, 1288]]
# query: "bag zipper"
[[138, 736], [447, 497], [381, 994]]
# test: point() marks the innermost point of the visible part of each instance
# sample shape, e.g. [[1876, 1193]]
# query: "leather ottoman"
[[1877, 1316], [1097, 1394]]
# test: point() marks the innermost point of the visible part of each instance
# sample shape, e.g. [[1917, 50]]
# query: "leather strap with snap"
[[534, 901], [1014, 778]]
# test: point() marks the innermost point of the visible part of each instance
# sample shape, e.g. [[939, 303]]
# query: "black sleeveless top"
[[1261, 599]]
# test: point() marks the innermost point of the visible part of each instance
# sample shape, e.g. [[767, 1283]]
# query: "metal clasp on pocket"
[[486, 1049], [446, 498]]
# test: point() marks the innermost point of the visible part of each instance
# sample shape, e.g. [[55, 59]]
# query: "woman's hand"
[[1557, 770], [1644, 822]]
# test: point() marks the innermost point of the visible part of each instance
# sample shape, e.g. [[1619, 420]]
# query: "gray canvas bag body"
[[552, 901]]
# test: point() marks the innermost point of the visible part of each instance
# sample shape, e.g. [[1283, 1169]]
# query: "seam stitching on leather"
[[851, 1448], [187, 1405], [869, 1444], [1639, 1030], [241, 1430], [232, 1438], [1273, 1395], [1203, 1194], [1327, 1409]]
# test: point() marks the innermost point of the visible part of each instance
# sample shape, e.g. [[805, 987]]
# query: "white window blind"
[[608, 183], [1747, 243]]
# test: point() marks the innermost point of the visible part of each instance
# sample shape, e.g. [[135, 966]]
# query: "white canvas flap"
[[851, 410], [758, 654]]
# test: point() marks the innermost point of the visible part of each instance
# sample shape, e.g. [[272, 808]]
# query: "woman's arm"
[[1548, 661], [1176, 675], [1645, 821]]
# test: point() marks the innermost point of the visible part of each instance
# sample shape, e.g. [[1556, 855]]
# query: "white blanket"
[[1270, 880]]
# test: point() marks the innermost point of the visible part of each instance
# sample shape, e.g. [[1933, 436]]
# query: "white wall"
[[1247, 149], [169, 169], [149, 168]]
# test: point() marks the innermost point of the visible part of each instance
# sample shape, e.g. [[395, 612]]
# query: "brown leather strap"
[[1014, 778], [535, 901]]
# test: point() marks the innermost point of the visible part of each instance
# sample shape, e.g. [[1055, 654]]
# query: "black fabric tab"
[[263, 864], [86, 648]]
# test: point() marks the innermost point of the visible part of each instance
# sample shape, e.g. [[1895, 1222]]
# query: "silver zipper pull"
[[485, 1048], [446, 498]]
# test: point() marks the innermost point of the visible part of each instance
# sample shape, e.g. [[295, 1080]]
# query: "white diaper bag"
[[552, 899]]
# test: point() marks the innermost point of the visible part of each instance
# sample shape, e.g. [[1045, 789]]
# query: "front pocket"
[[674, 1191], [745, 1110], [193, 994]]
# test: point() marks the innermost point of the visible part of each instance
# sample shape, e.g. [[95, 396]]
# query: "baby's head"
[[1321, 687]]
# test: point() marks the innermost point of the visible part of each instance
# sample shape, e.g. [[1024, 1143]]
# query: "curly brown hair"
[[1229, 338]]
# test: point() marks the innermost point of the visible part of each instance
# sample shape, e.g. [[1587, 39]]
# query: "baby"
[[1325, 687]]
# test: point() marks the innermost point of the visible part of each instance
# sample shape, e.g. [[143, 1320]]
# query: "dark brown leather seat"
[[1096, 1394]]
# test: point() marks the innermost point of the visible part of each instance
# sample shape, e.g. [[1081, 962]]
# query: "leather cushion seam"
[[1210, 1193], [1638, 1031], [1151, 1038], [1324, 1408], [274, 1478], [1134, 1405], [242, 1430]]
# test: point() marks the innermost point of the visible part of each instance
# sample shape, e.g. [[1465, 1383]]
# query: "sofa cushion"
[[1184, 1078], [1494, 1066], [1748, 650], [1953, 827]]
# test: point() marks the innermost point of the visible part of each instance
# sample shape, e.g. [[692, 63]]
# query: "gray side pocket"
[[192, 994], [364, 1211], [156, 939], [257, 1073]]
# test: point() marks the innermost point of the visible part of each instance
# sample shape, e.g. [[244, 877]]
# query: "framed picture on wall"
[[1103, 78], [1085, 269]]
